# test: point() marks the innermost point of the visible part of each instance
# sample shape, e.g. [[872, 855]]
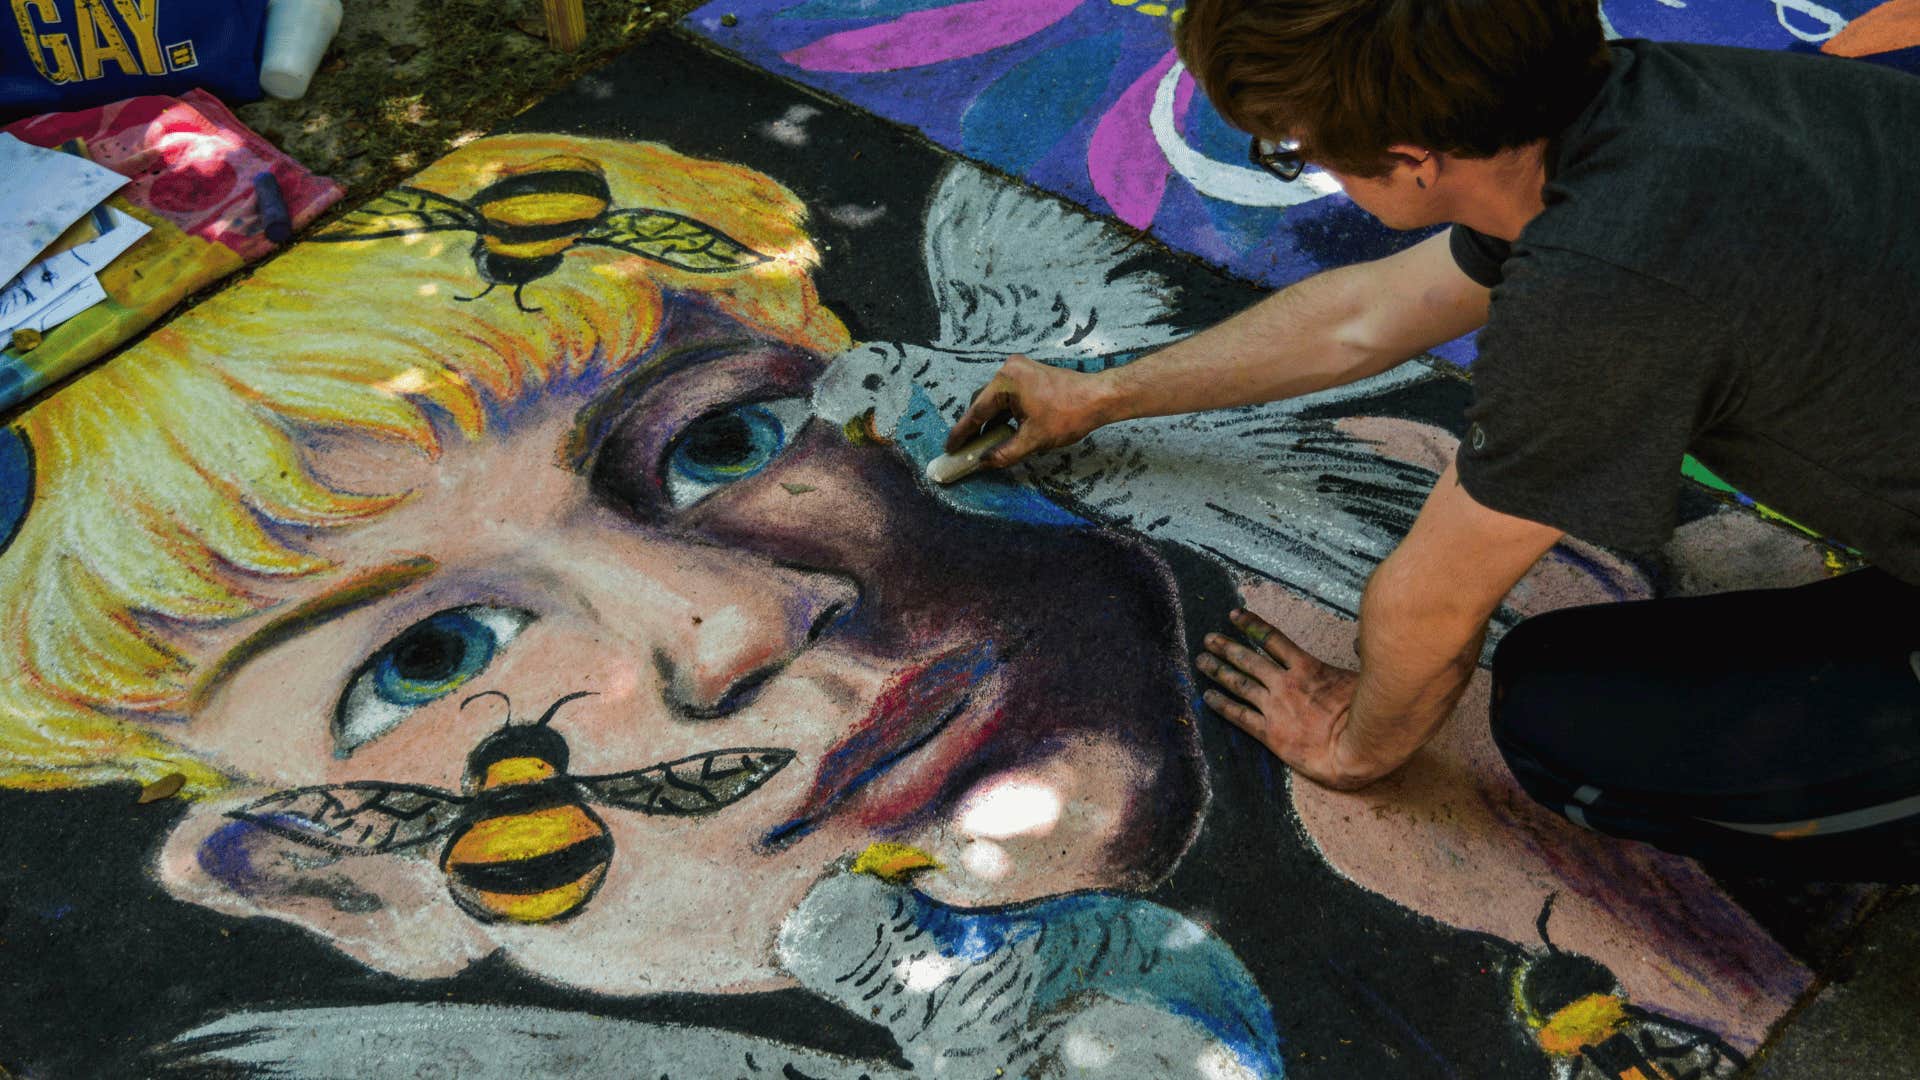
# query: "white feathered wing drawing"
[[1098, 986], [1276, 489]]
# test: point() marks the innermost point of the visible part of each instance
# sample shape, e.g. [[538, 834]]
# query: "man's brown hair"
[[1349, 78]]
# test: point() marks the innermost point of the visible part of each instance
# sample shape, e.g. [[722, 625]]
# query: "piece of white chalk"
[[965, 461]]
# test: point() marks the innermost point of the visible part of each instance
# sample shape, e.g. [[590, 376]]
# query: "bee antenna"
[[555, 707], [476, 296], [491, 693], [519, 303], [1546, 912]]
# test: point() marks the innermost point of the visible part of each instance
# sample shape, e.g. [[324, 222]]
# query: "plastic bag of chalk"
[[72, 54]]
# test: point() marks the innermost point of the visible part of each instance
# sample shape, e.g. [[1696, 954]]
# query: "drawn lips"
[[915, 707]]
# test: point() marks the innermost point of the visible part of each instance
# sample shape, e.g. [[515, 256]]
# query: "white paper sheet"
[[85, 293], [45, 191], [25, 300]]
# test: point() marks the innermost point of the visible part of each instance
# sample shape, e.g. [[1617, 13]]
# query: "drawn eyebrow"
[[356, 591], [598, 416]]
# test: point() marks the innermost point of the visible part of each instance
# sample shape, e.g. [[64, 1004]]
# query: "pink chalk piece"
[[1123, 160], [920, 38], [190, 160]]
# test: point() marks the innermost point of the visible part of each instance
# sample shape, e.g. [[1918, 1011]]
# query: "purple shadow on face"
[[227, 857]]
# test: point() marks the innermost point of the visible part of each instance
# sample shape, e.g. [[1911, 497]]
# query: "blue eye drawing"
[[424, 663], [726, 447]]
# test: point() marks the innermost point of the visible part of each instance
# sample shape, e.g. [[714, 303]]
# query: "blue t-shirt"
[[71, 54]]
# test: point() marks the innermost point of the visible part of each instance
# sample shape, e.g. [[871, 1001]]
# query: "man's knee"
[[1540, 714], [1520, 664]]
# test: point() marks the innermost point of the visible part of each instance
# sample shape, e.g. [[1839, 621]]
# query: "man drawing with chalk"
[[1667, 250]]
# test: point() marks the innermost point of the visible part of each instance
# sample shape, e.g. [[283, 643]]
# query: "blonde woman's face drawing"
[[718, 569]]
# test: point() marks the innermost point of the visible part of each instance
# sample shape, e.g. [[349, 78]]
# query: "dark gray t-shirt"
[[1728, 265]]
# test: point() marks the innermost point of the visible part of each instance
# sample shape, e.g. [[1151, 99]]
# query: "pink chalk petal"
[[1126, 166], [930, 37]]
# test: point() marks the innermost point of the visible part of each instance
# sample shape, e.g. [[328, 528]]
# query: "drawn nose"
[[730, 656], [715, 625], [684, 696]]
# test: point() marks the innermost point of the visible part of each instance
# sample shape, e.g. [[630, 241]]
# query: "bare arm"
[[1421, 625], [1329, 330], [1425, 615]]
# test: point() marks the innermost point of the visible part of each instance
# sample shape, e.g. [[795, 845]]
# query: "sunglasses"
[[1282, 159]]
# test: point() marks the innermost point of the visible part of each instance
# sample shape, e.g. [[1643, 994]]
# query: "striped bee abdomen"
[[539, 211], [529, 852]]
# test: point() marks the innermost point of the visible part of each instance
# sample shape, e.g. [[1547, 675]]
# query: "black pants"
[[1773, 732]]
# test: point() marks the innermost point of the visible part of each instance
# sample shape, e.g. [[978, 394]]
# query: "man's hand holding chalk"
[[957, 465], [1052, 407]]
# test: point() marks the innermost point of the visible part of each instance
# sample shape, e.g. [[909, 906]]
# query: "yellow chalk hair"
[[171, 484]]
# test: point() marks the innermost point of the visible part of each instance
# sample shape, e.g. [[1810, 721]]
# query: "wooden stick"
[[566, 24]]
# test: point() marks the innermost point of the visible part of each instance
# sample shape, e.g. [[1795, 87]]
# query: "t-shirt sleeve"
[[1478, 255], [1590, 384]]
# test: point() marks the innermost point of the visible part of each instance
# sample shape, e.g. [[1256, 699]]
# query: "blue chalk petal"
[[1015, 121], [1212, 136], [1247, 228]]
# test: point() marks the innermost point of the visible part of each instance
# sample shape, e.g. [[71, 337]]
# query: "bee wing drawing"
[[693, 785], [402, 211], [678, 241], [367, 818], [1681, 1049]]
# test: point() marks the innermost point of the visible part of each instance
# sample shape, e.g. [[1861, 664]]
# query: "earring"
[[1422, 181]]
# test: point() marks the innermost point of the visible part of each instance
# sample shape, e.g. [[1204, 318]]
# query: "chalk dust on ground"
[[407, 80]]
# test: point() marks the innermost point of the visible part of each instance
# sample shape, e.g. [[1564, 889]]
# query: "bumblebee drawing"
[[521, 844], [1584, 1023], [527, 221]]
